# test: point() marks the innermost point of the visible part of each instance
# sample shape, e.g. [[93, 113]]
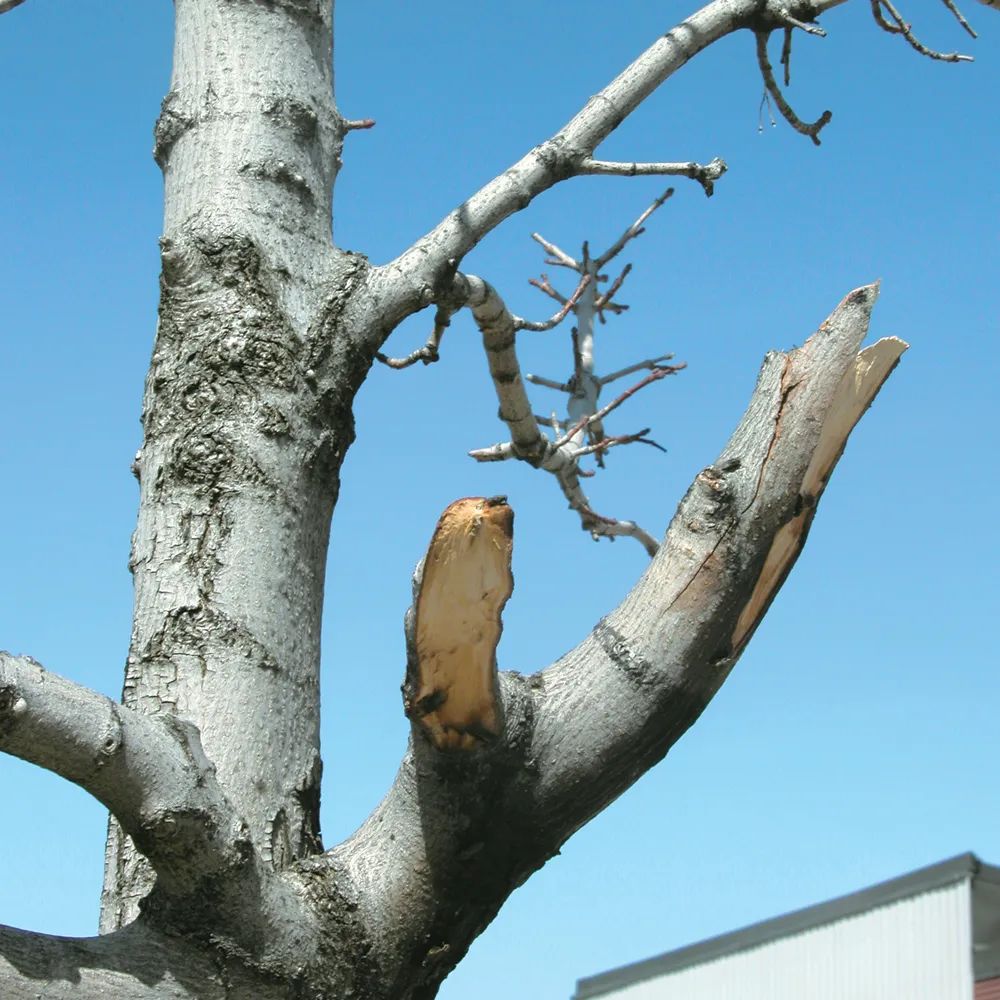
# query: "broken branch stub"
[[450, 691], [858, 387]]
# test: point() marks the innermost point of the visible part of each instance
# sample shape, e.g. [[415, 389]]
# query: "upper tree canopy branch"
[[6, 5], [150, 771], [402, 286]]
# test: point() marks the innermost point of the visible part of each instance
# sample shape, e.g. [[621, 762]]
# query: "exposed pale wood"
[[451, 690], [859, 386]]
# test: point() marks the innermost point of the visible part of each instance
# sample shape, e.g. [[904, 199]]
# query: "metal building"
[[931, 935]]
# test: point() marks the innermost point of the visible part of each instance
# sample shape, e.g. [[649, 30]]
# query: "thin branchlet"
[[896, 24], [811, 129], [558, 317]]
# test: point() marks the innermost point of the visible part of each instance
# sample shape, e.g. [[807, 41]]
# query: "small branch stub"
[[451, 680]]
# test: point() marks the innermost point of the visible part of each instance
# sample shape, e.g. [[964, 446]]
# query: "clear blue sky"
[[858, 736]]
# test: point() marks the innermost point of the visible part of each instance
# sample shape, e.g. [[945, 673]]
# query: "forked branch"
[[578, 733]]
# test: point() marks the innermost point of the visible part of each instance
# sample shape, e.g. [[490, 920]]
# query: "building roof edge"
[[936, 876]]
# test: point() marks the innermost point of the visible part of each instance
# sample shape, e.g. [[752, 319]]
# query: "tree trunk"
[[246, 418]]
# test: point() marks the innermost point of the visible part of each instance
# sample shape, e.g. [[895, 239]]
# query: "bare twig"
[[551, 422], [548, 383], [765, 100], [604, 301], [880, 20], [706, 174], [610, 442], [791, 22], [902, 27], [804, 128], [353, 124], [542, 284], [786, 56], [637, 367], [658, 372], [430, 352], [608, 527], [558, 256], [500, 452], [636, 229], [960, 17], [555, 320]]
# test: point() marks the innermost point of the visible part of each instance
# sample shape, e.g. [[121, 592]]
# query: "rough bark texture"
[[217, 884], [247, 416]]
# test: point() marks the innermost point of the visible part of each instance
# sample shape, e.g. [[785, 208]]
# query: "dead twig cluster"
[[581, 432], [886, 15]]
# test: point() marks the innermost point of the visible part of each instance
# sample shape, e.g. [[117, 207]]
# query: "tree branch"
[[639, 366], [706, 174], [580, 732], [6, 5], [558, 256], [899, 26], [557, 317], [430, 352], [401, 286], [636, 229], [138, 962], [960, 17], [811, 129], [527, 443], [661, 656], [150, 771]]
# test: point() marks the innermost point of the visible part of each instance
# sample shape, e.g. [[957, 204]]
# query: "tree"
[[261, 330]]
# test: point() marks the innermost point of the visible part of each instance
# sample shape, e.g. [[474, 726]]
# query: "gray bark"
[[217, 883], [247, 415]]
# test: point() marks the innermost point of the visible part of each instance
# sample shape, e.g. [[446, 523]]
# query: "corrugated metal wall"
[[915, 949]]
